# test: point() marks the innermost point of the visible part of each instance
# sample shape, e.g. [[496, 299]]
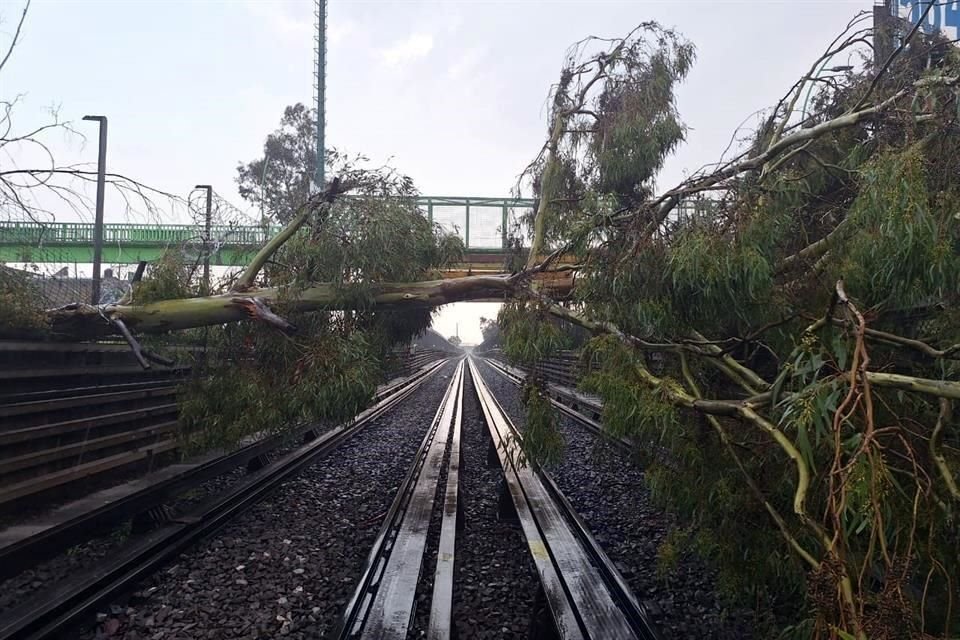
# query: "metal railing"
[[482, 222], [39, 234]]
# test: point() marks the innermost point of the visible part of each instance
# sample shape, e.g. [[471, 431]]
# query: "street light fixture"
[[98, 221], [206, 238]]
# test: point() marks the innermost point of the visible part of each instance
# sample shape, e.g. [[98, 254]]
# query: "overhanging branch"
[[318, 203]]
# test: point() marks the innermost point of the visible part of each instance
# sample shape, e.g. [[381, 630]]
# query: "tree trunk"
[[86, 321]]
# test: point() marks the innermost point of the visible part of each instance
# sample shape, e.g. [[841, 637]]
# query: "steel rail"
[[441, 625], [65, 605], [383, 603], [568, 403], [585, 593]]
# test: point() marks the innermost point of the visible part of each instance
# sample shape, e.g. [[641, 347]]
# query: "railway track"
[[66, 605], [585, 594], [76, 418], [606, 483], [411, 581], [584, 410], [383, 603], [28, 544], [54, 438]]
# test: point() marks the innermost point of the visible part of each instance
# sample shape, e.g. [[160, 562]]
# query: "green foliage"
[[638, 124], [169, 278], [688, 472], [542, 441], [21, 307], [267, 384], [874, 206], [615, 103], [529, 334], [280, 181], [257, 380], [364, 241], [490, 329], [630, 409], [670, 551], [719, 273], [905, 251]]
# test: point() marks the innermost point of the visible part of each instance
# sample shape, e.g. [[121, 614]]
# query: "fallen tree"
[[87, 321], [785, 322], [800, 298]]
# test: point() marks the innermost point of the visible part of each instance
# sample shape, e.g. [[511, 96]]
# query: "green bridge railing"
[[34, 234], [481, 222]]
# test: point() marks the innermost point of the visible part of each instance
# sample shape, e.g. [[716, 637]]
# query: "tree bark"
[[86, 321]]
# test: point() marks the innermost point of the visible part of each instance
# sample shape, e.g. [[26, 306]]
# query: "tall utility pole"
[[206, 238], [320, 91], [883, 23], [98, 221]]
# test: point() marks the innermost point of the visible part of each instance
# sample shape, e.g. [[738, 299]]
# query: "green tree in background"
[[281, 180]]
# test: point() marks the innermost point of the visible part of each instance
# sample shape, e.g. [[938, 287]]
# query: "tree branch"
[[318, 203], [791, 540], [892, 56], [744, 376], [667, 201], [946, 413], [814, 250], [16, 35], [257, 309]]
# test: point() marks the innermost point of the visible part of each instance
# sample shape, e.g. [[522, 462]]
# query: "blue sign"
[[943, 17]]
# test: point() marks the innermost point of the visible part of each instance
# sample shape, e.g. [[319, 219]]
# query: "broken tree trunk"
[[85, 321]]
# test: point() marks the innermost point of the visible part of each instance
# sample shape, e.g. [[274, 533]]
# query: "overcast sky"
[[451, 93]]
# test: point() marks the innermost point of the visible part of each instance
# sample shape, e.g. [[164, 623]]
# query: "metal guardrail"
[[61, 607], [70, 412], [453, 212], [60, 233]]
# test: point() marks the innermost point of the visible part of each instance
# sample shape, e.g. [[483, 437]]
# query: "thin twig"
[[16, 35]]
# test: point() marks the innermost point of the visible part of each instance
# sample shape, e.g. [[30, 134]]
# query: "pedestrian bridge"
[[482, 223]]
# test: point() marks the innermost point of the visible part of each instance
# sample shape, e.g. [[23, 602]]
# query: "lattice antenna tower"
[[320, 88]]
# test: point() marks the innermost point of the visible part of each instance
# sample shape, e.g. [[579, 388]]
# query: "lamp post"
[[206, 238], [98, 221]]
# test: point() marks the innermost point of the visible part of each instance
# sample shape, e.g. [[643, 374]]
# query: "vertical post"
[[263, 179], [882, 32], [321, 82], [503, 228], [206, 238], [430, 211], [466, 241], [98, 221]]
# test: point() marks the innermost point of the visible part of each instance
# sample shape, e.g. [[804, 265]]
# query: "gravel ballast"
[[609, 493], [287, 566], [495, 581], [82, 556]]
